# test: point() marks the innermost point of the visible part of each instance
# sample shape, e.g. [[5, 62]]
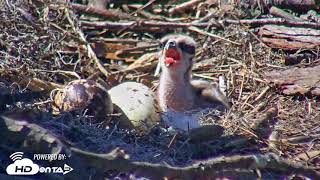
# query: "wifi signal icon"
[[16, 156]]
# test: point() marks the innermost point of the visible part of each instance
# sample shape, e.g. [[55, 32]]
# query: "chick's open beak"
[[172, 56]]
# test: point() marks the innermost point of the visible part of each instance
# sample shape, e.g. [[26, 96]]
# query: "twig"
[[105, 13], [245, 103], [70, 73], [205, 18], [173, 139], [204, 76], [142, 7], [117, 40], [195, 29], [250, 77], [91, 53], [262, 94], [184, 6], [241, 87]]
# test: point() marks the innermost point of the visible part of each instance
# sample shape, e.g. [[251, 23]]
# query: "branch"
[[89, 49], [140, 24], [148, 25], [105, 13], [212, 168], [277, 21], [181, 8]]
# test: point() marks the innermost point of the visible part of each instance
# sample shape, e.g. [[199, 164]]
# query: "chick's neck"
[[175, 91]]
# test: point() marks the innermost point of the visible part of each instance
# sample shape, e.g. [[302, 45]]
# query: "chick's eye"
[[187, 48]]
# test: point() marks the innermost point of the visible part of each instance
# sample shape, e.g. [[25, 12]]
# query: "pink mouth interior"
[[172, 56]]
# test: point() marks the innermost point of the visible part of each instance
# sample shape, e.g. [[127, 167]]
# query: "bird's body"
[[180, 99], [178, 95], [177, 91]]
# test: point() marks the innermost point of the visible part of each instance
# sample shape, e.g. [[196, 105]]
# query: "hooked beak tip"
[[169, 61]]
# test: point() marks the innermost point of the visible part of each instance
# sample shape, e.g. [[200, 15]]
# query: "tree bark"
[[289, 38]]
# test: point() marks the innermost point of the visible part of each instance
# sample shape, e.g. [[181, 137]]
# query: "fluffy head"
[[177, 53]]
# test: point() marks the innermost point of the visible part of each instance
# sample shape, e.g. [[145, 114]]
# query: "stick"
[[277, 21], [105, 13], [147, 25], [195, 29], [281, 13], [184, 6], [143, 7], [90, 51]]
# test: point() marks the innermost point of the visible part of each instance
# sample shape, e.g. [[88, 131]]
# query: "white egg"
[[137, 103]]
